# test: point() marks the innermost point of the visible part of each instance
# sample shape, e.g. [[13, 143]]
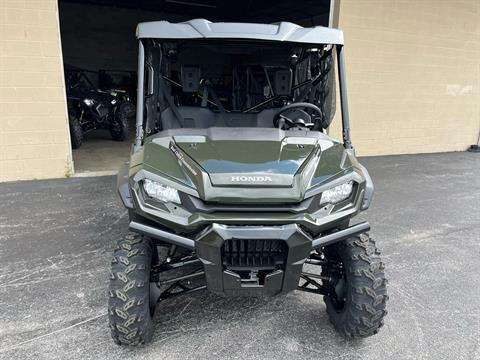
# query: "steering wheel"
[[298, 106]]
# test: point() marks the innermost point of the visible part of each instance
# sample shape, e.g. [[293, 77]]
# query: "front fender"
[[367, 199], [123, 187]]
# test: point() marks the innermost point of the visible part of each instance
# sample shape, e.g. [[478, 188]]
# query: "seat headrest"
[[283, 82], [190, 76]]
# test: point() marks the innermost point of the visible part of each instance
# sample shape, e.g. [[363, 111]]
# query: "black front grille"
[[254, 254], [194, 205]]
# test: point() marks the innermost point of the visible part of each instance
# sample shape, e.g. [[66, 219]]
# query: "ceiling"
[[227, 10]]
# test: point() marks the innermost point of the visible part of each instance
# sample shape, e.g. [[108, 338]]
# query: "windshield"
[[199, 84]]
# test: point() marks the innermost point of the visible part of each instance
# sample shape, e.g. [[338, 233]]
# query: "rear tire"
[[76, 132], [129, 307], [357, 307]]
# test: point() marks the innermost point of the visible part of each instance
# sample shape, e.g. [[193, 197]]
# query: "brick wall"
[[413, 72], [34, 140]]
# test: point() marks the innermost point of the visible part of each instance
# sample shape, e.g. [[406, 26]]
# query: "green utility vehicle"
[[233, 184]]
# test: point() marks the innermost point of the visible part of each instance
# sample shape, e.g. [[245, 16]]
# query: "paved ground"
[[56, 238]]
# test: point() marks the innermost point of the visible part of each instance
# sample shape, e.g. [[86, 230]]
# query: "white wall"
[[34, 138], [413, 75]]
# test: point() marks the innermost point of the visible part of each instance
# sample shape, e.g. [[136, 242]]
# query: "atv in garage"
[[90, 109], [234, 182]]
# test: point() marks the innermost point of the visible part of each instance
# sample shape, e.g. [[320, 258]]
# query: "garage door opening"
[[100, 57]]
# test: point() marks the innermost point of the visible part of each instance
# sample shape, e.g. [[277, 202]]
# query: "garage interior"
[[98, 39]]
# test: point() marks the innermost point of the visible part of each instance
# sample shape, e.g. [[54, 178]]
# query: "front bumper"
[[245, 266]]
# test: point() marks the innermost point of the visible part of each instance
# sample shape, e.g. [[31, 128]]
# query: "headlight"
[[161, 192], [88, 102], [114, 101], [337, 194]]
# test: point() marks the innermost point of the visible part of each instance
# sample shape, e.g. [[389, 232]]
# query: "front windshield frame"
[[147, 80]]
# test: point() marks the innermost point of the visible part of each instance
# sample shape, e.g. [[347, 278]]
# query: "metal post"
[[343, 98], [140, 95], [333, 16]]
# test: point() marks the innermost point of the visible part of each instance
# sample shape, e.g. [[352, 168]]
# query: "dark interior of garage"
[[98, 42]]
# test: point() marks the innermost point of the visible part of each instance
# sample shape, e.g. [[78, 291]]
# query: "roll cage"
[[170, 78]]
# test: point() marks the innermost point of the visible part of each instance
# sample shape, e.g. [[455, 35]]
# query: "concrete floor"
[[100, 154], [55, 246]]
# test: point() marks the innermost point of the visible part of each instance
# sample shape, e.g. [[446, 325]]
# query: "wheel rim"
[[339, 292], [337, 283], [154, 295]]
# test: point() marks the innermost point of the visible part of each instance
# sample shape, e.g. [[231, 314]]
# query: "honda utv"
[[234, 185]]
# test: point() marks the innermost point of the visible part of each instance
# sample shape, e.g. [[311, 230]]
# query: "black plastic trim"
[[123, 187], [190, 243], [194, 204], [224, 281]]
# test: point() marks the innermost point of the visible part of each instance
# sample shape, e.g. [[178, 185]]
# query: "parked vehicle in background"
[[90, 109], [125, 82]]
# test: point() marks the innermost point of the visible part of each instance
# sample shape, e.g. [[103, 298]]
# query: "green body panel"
[[223, 159], [332, 162], [201, 163]]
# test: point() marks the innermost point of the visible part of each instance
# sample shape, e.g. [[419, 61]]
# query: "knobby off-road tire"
[[76, 132], [365, 289], [119, 126], [129, 309]]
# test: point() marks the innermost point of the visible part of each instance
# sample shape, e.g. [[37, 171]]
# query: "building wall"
[[413, 72], [34, 140]]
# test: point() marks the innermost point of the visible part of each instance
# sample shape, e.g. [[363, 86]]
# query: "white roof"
[[204, 29]]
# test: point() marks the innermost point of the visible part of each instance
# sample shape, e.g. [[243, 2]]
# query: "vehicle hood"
[[244, 164], [238, 162]]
